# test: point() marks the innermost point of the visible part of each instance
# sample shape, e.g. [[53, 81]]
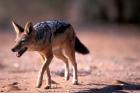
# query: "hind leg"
[[59, 54], [70, 52], [74, 67]]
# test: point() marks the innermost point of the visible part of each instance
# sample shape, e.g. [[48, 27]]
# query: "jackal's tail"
[[79, 47]]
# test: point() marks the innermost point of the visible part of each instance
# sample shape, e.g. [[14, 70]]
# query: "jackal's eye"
[[23, 41]]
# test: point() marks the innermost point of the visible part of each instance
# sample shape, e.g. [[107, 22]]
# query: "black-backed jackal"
[[50, 38]]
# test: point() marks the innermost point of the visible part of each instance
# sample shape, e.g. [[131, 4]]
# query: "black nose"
[[13, 50]]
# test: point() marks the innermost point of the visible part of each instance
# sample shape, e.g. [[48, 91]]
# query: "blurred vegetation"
[[78, 12]]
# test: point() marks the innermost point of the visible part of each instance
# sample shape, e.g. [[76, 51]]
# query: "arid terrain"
[[113, 65]]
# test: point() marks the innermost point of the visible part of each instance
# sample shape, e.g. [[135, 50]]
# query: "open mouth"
[[21, 52]]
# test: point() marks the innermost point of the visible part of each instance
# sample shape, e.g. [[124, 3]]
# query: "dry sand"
[[113, 65]]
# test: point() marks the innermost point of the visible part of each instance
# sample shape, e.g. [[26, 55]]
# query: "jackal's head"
[[24, 39]]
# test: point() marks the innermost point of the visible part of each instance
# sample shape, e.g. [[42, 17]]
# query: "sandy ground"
[[113, 65]]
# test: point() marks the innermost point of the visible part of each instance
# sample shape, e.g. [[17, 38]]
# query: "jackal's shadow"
[[116, 88]]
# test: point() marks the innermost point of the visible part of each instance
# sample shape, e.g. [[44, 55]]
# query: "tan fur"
[[61, 47]]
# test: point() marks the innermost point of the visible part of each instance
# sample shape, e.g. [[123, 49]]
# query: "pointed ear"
[[29, 28], [17, 28]]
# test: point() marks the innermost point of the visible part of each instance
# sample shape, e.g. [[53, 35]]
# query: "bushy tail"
[[79, 47]]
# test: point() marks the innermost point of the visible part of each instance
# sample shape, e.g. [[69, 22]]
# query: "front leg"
[[48, 79], [42, 70]]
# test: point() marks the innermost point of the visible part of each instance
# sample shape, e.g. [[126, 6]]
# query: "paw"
[[75, 82], [67, 78], [47, 87], [38, 84]]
